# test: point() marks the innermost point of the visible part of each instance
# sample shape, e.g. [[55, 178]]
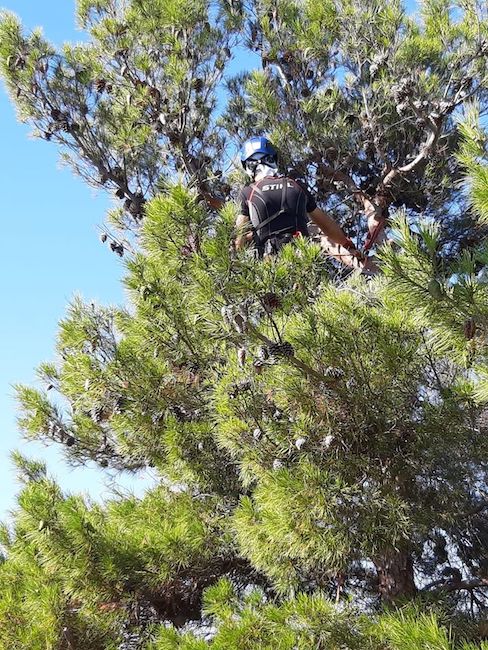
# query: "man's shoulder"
[[245, 192], [300, 182]]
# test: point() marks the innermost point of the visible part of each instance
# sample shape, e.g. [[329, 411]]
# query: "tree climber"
[[274, 209]]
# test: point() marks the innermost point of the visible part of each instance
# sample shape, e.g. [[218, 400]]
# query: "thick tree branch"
[[434, 125], [457, 585]]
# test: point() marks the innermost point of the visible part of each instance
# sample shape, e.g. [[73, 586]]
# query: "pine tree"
[[318, 440]]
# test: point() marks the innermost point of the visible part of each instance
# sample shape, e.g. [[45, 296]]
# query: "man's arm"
[[330, 228], [338, 245]]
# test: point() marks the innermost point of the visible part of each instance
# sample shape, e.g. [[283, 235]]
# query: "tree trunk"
[[395, 575]]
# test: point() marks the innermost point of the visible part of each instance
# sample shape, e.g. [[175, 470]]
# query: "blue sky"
[[50, 250]]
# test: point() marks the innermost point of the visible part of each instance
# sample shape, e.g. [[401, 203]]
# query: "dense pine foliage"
[[321, 440]]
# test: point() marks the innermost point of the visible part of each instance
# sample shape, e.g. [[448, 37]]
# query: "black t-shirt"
[[270, 196]]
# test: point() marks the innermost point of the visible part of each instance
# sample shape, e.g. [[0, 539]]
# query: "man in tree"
[[274, 209]]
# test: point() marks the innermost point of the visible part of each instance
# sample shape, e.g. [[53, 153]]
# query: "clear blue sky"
[[50, 250]]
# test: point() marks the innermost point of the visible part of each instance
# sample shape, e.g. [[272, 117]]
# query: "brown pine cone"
[[281, 350], [271, 301], [100, 85], [198, 84], [469, 328]]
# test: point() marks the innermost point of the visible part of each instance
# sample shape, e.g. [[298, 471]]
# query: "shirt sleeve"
[[311, 202], [243, 200]]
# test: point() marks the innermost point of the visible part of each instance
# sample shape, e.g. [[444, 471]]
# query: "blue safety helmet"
[[257, 148]]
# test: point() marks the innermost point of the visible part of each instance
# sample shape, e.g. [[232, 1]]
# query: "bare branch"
[[457, 585], [434, 124]]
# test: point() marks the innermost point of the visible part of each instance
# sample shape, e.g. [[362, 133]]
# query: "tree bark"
[[395, 575]]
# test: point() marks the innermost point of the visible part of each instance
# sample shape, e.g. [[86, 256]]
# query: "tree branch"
[[434, 124], [457, 585]]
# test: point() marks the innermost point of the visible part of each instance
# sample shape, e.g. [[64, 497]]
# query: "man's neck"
[[263, 171]]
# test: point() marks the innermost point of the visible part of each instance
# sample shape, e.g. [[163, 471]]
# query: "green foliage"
[[473, 155], [79, 567], [312, 622], [304, 622], [412, 630], [314, 436], [305, 466]]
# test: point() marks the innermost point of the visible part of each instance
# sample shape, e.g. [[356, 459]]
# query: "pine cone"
[[198, 84], [155, 93], [120, 194], [402, 108], [120, 404], [271, 301], [469, 328], [334, 373], [241, 356], [258, 366], [70, 441], [135, 206], [99, 414], [331, 154], [179, 412], [100, 85], [117, 248], [64, 125], [281, 350], [263, 353], [240, 323], [103, 237], [246, 384], [253, 31]]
